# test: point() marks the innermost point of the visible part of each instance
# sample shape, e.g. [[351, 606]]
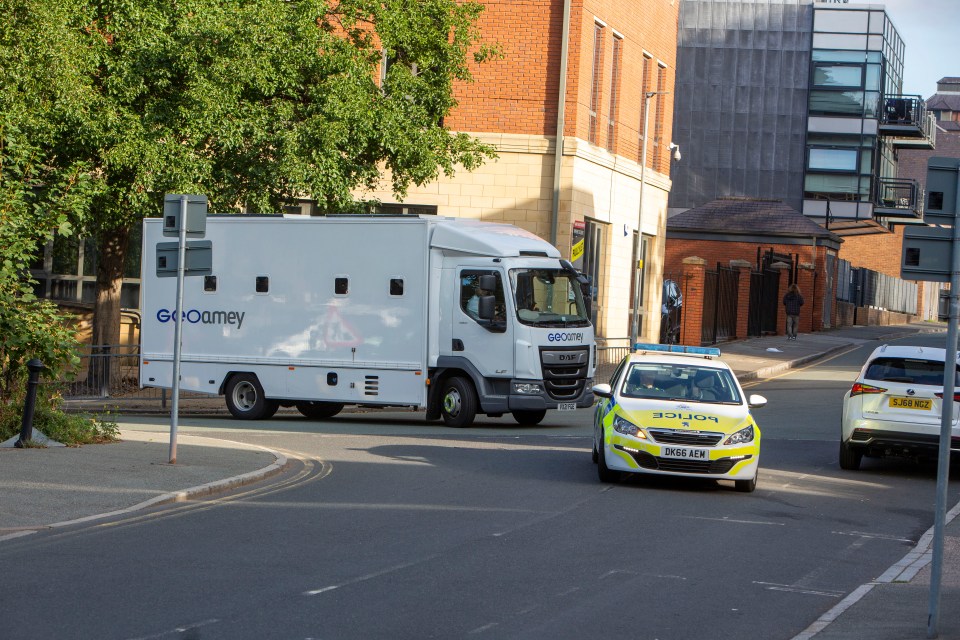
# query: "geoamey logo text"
[[196, 316], [565, 337]]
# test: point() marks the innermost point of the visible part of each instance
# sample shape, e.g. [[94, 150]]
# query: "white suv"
[[893, 408]]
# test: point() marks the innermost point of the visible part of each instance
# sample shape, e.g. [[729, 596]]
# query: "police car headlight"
[[527, 388], [627, 428], [740, 437]]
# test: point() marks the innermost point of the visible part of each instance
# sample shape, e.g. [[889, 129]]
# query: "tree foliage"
[[252, 103], [40, 194]]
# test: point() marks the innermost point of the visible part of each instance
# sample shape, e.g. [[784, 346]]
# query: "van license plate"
[[685, 453], [911, 403], [567, 406]]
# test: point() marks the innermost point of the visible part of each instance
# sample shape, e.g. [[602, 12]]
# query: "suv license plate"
[[567, 406], [685, 453], [922, 404]]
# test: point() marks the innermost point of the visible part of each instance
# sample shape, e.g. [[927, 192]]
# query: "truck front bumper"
[[543, 400]]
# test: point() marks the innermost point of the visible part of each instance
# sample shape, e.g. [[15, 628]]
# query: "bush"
[[53, 422]]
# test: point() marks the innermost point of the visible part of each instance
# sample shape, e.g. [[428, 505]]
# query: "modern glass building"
[[800, 101]]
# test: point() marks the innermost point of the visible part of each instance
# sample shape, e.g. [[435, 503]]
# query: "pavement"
[[46, 488]]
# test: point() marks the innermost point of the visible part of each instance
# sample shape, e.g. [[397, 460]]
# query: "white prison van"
[[455, 316]]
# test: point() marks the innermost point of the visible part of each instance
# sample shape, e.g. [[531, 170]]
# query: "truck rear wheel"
[[319, 410], [458, 403], [529, 416], [245, 398]]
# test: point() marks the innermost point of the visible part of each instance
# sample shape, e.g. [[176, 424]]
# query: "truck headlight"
[[740, 437], [527, 388], [627, 428]]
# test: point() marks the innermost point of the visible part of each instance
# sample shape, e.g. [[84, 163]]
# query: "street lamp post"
[[635, 322]]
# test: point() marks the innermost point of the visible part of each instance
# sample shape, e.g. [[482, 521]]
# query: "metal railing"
[[112, 373], [609, 356]]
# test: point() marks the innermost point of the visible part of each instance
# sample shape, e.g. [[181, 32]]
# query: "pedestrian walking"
[[792, 301]]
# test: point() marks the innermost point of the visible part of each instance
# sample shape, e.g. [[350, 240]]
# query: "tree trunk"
[[106, 313]]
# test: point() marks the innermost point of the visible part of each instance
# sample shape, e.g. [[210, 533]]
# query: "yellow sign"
[[577, 252]]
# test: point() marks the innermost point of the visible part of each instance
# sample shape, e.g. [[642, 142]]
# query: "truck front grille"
[[565, 372]]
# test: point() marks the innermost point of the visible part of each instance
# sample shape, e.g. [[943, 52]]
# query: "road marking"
[[485, 627], [178, 630], [773, 586], [369, 576], [874, 536], [726, 519]]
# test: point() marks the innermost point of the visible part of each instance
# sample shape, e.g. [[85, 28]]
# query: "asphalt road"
[[388, 527]]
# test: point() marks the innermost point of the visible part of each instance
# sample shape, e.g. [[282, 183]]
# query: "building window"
[[614, 93], [595, 83], [838, 76], [645, 80], [658, 121], [832, 160], [396, 209]]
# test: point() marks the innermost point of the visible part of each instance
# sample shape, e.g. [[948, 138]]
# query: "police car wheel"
[[595, 454], [529, 416], [319, 410], [458, 403], [245, 398], [746, 486], [604, 472]]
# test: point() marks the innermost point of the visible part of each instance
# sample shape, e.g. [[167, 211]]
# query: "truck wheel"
[[849, 457], [458, 403], [529, 416], [319, 410], [245, 398]]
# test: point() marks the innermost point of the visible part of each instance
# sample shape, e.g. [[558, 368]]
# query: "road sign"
[[193, 218], [941, 205], [198, 260], [926, 253]]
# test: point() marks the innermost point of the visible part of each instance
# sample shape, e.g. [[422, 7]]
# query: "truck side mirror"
[[487, 282], [486, 306]]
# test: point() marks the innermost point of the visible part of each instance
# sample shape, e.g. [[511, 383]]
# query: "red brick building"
[[616, 52], [751, 236]]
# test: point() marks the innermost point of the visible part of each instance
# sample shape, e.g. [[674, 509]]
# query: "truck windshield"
[[548, 298]]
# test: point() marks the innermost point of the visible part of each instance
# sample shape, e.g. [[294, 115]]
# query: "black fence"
[[764, 302], [720, 291]]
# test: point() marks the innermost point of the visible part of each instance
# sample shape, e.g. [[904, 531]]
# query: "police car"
[[676, 410]]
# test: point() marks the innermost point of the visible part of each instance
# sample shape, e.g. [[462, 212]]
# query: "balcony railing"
[[898, 198], [903, 117]]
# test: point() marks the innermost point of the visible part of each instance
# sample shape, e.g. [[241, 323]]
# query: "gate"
[[720, 292], [764, 302]]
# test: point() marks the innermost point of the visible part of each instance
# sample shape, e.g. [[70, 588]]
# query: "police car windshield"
[[548, 298], [687, 383]]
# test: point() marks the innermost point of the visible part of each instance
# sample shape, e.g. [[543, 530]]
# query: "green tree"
[[252, 103], [39, 195]]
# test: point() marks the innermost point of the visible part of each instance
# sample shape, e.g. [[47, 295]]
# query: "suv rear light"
[[956, 396], [860, 388]]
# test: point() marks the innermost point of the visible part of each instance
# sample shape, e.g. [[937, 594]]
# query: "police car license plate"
[[567, 406], [685, 453]]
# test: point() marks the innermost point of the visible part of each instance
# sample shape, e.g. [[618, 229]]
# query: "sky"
[[930, 30]]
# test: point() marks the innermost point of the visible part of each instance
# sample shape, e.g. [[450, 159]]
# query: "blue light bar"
[[678, 348]]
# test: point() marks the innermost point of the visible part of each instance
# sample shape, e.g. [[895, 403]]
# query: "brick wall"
[[679, 259], [518, 93]]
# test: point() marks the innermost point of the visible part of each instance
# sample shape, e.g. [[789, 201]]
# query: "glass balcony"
[[898, 198], [927, 141], [904, 117]]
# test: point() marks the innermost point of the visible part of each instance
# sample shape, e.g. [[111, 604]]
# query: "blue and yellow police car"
[[676, 410]]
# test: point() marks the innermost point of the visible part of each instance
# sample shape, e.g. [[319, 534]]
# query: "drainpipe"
[[561, 112]]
